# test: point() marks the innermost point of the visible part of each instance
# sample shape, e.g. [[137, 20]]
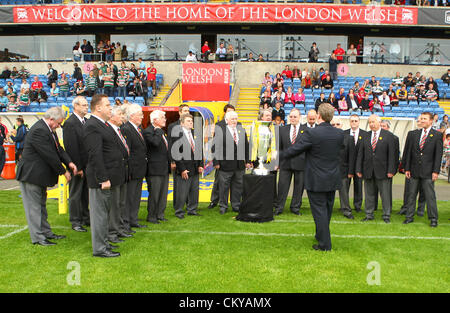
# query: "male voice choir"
[[107, 156]]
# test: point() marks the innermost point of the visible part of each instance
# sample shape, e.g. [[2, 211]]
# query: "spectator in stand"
[[299, 98], [365, 104], [375, 105], [420, 82], [373, 81], [265, 99], [37, 92], [307, 82], [54, 91], [260, 58], [101, 50], [267, 88], [191, 57], [23, 73], [342, 104], [108, 49], [314, 53], [397, 80], [314, 77], [322, 72], [352, 53], [77, 73], [64, 86], [435, 85], [384, 98], [445, 123], [108, 82], [446, 77], [333, 101], [133, 71], [267, 79], [118, 52], [17, 136], [114, 69], [205, 51], [278, 97], [124, 68], [84, 51], [341, 93], [392, 97], [221, 52], [339, 52], [101, 82], [6, 73], [278, 121], [77, 52], [52, 76], [356, 87], [360, 49], [14, 73], [91, 84], [431, 94], [412, 97], [332, 66], [287, 73], [361, 95], [319, 101], [122, 83], [24, 86], [230, 52], [352, 102], [367, 87], [296, 73], [24, 101], [250, 57], [419, 78], [141, 67], [421, 93], [139, 89], [124, 52], [278, 111], [151, 78], [278, 78], [79, 89], [402, 93], [3, 100], [327, 83], [289, 96], [408, 81], [278, 86]]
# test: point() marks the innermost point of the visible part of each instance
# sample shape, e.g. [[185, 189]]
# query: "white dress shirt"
[[232, 132], [291, 132]]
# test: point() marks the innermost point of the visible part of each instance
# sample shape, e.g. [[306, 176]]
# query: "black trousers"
[[321, 209], [215, 190], [406, 193], [357, 191], [284, 183], [78, 201], [427, 185], [2, 158]]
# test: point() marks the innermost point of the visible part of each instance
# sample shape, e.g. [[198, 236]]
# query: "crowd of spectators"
[[104, 51], [126, 80]]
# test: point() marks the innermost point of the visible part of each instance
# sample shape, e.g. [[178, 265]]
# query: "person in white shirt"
[[221, 52], [191, 57], [311, 118]]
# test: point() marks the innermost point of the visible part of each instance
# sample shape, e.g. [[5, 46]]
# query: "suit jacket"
[[186, 159], [137, 162], [42, 157], [396, 152], [158, 162], [174, 131], [227, 154], [357, 146], [376, 163], [347, 156], [296, 163], [423, 163], [322, 146], [74, 143], [106, 158]]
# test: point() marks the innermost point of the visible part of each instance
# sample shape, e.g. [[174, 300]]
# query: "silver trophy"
[[263, 146]]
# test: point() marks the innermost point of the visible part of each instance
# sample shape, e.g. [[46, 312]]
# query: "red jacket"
[[36, 85], [151, 73], [339, 54]]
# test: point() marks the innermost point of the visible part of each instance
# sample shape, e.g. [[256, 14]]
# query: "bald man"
[[311, 119], [376, 164]]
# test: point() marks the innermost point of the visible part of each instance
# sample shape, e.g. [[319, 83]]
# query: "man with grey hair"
[[231, 157], [74, 145], [158, 167], [321, 145], [295, 166], [137, 165], [39, 168]]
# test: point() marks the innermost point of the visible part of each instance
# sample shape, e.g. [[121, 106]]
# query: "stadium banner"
[[206, 82], [434, 16], [211, 13], [6, 15]]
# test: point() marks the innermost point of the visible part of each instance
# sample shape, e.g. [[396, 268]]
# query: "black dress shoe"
[[107, 254], [349, 216], [123, 235], [153, 222], [111, 247], [317, 247], [212, 205], [222, 212], [358, 210], [130, 231], [55, 237], [138, 226], [163, 219], [194, 213], [115, 240], [401, 212], [420, 214], [386, 220], [407, 221], [45, 243], [296, 212], [180, 216], [79, 229], [433, 224], [277, 212], [367, 219]]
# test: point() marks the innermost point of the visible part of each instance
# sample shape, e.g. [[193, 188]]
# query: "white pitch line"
[[350, 223], [14, 232], [12, 188], [289, 235]]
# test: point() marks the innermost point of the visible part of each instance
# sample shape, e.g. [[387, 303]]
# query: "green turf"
[[175, 261]]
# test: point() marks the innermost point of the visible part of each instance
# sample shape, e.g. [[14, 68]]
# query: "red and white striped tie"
[[235, 136], [191, 143], [294, 135], [123, 141], [374, 141], [422, 140]]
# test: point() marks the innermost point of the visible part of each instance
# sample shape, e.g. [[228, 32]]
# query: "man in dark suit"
[[137, 166], [174, 131], [422, 157], [215, 191], [347, 169], [105, 172], [321, 145], [231, 157], [357, 134], [386, 125], [74, 145], [187, 153], [39, 168], [376, 164], [295, 166], [117, 229], [3, 132], [158, 167]]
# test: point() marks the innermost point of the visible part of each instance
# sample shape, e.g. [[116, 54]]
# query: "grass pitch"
[[215, 253]]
